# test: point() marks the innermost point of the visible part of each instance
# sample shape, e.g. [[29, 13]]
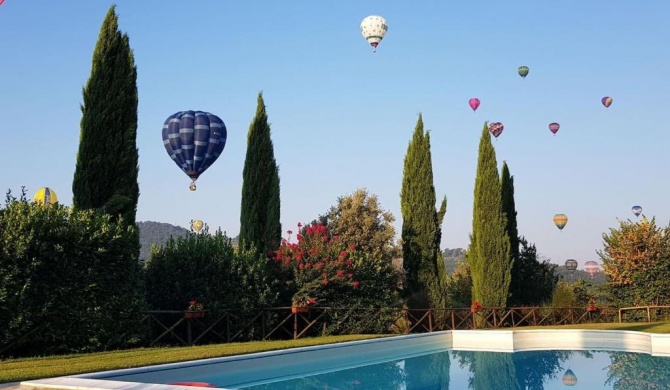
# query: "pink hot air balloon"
[[591, 267], [606, 101], [553, 127], [474, 103]]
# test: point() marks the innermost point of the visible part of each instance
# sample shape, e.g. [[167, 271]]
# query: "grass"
[[15, 370]]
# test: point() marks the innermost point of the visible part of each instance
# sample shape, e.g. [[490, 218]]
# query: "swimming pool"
[[450, 359]]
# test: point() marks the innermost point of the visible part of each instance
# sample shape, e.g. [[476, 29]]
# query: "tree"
[[425, 283], [536, 279], [105, 177], [259, 217], [509, 208], [636, 261], [359, 220], [489, 252]]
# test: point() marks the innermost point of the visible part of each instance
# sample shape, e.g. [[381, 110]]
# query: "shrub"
[[70, 277], [206, 268]]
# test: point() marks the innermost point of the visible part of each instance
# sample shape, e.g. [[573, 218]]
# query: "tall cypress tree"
[[489, 251], [421, 226], [105, 177], [260, 225], [509, 208]]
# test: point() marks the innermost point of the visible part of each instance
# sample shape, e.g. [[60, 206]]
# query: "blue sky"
[[342, 116]]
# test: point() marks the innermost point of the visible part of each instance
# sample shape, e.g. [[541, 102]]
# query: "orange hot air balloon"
[[560, 220]]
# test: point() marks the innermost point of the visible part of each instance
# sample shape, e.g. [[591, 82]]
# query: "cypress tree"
[[260, 214], [489, 252], [421, 232], [105, 177], [509, 208]]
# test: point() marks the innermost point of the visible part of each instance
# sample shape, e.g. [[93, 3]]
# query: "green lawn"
[[15, 370]]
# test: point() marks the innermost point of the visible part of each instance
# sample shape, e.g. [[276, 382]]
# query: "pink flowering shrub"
[[317, 263]]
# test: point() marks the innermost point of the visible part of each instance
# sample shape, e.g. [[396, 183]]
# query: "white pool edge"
[[467, 340]]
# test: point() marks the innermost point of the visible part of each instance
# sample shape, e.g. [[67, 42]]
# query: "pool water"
[[449, 369]]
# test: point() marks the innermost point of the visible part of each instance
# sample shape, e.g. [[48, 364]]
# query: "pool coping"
[[655, 344]]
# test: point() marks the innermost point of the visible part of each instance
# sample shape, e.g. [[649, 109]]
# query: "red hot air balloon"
[[474, 103], [496, 128], [553, 127], [606, 101]]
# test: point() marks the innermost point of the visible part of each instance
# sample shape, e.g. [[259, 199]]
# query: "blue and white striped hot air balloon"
[[194, 140]]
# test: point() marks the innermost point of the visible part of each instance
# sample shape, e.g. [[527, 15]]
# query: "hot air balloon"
[[553, 127], [45, 196], [374, 29], [474, 103], [606, 101], [523, 71], [560, 220], [571, 264], [194, 140], [591, 267], [496, 128], [197, 225], [637, 210], [569, 378]]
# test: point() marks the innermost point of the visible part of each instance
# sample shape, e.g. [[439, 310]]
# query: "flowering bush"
[[476, 307], [316, 261], [303, 301], [195, 306]]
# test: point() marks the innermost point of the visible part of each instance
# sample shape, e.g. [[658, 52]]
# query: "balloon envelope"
[[197, 225], [194, 140], [571, 264], [374, 29], [560, 220], [637, 210], [553, 127], [569, 378], [591, 267], [606, 101], [474, 103], [45, 195], [523, 71], [496, 128]]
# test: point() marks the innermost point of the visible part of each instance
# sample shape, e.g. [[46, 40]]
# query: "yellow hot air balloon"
[[45, 195], [560, 220], [197, 225]]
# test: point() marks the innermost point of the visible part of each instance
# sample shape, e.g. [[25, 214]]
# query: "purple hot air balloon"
[[606, 101], [474, 103], [496, 128], [553, 127]]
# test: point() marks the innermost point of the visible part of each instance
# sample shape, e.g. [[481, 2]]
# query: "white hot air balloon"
[[373, 29]]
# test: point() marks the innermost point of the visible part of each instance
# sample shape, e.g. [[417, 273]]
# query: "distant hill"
[[597, 279], [156, 233], [451, 258]]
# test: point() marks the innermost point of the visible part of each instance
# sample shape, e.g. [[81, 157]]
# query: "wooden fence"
[[168, 327]]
